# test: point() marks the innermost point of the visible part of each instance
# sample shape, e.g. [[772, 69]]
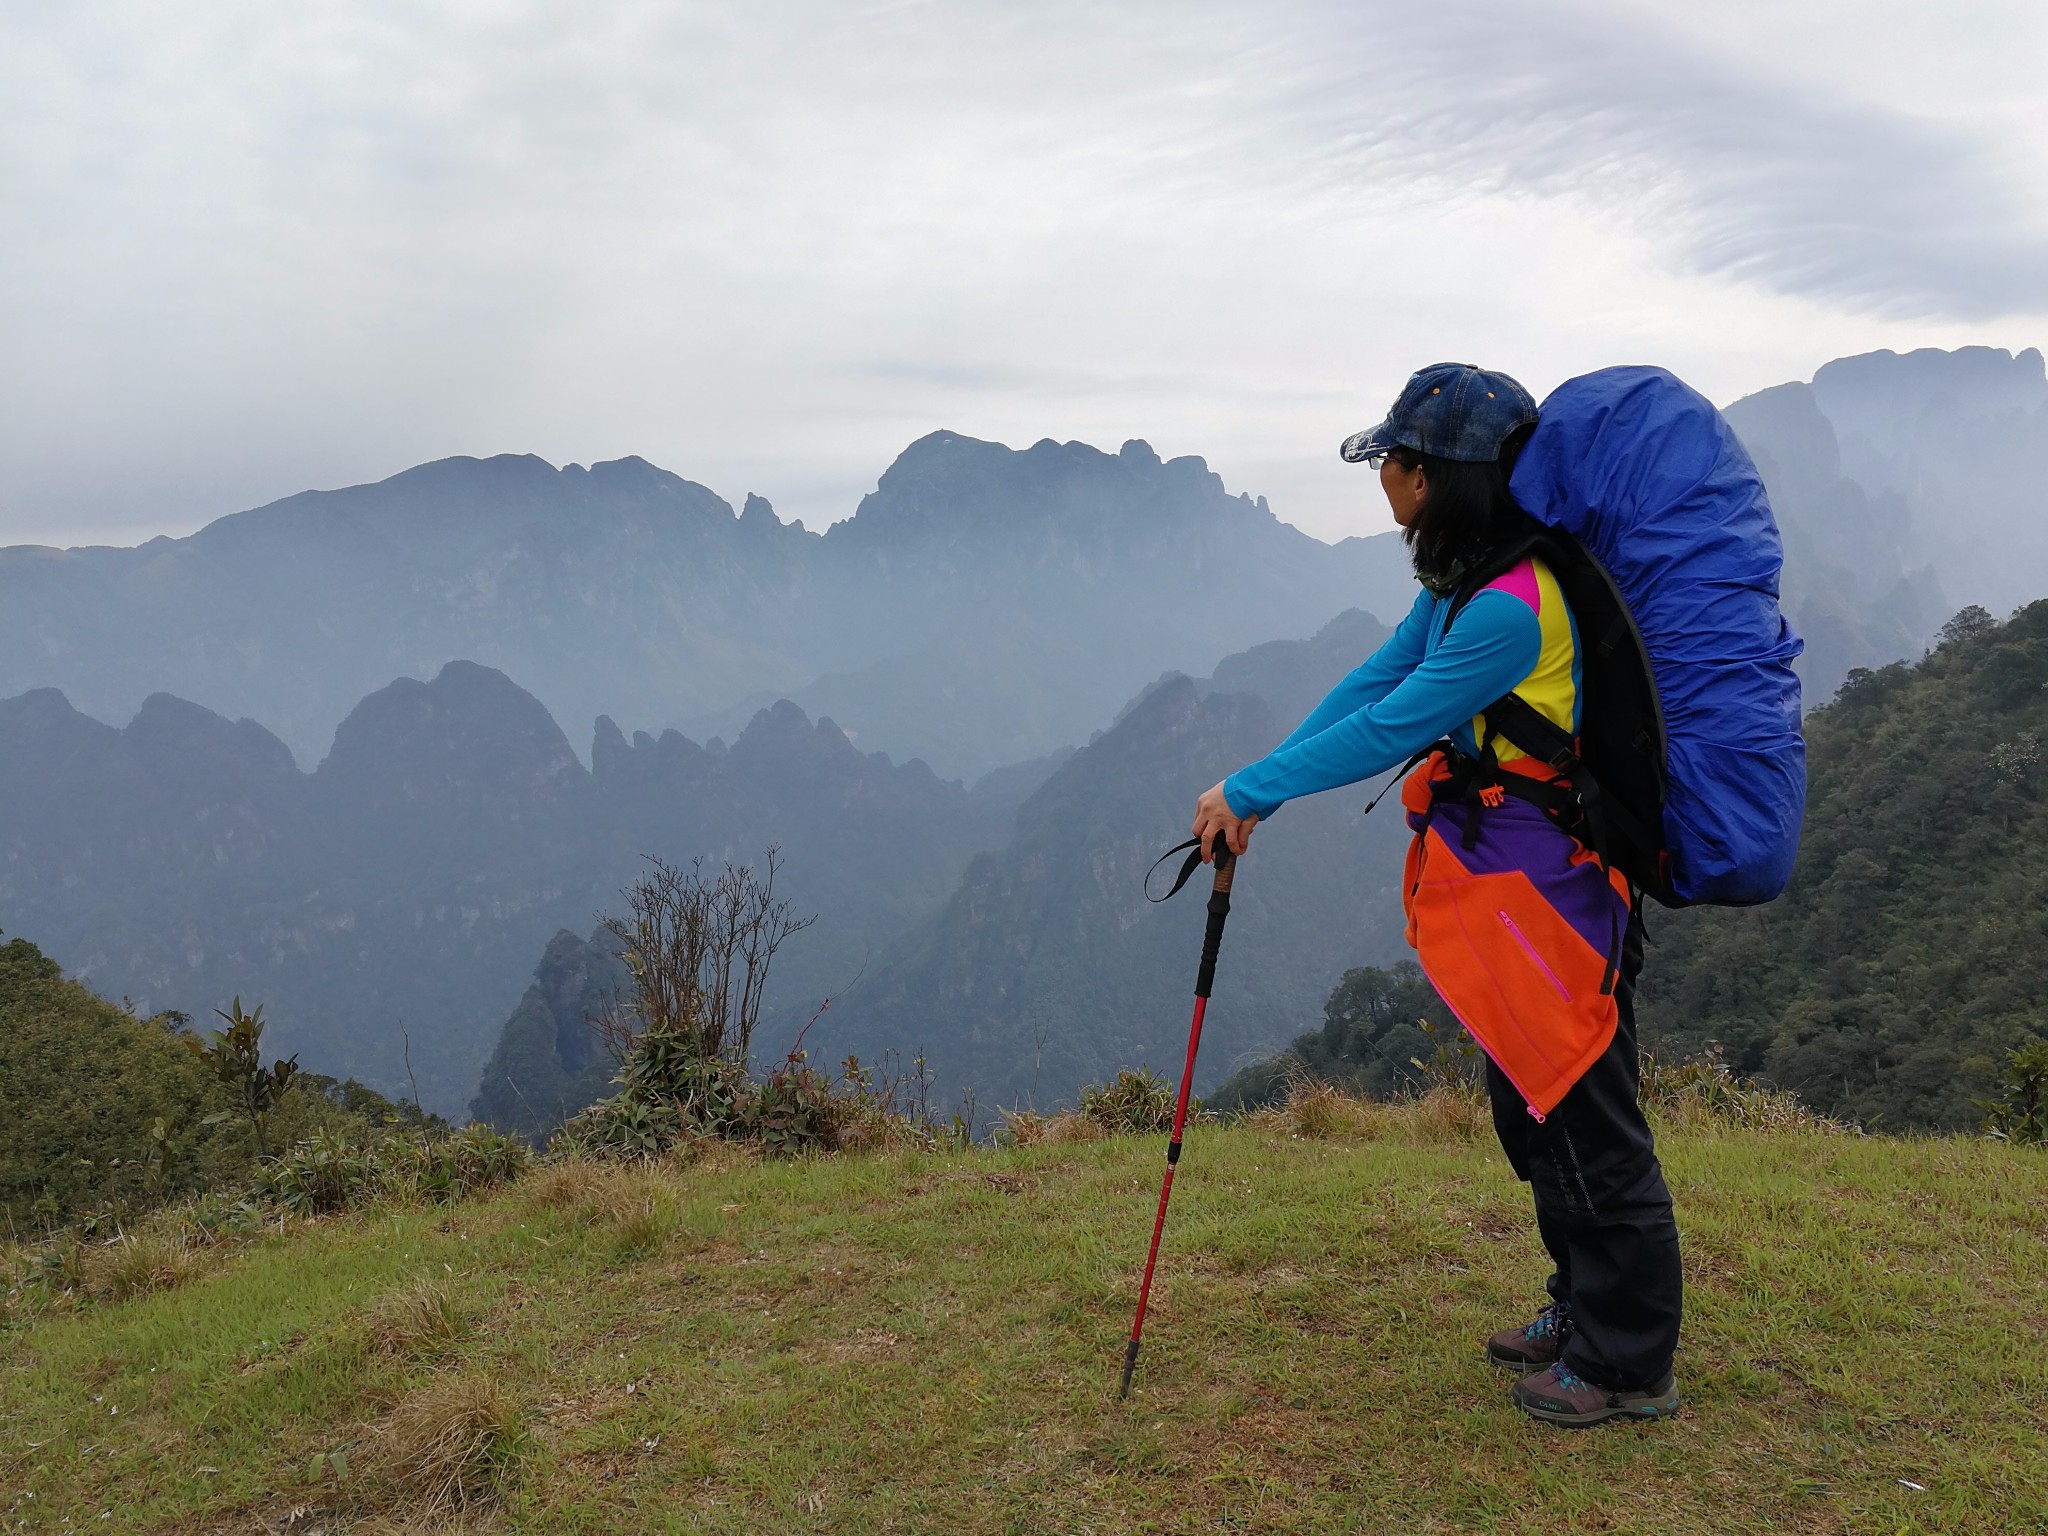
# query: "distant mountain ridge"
[[983, 605], [986, 605], [414, 875]]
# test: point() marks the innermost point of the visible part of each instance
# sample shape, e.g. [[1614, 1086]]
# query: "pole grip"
[[1219, 909]]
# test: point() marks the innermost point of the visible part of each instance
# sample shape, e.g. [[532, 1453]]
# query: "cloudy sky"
[[250, 248]]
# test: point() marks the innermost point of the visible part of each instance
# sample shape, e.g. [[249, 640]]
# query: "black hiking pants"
[[1602, 1208]]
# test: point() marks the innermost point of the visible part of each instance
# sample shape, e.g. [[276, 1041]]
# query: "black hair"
[[1467, 510]]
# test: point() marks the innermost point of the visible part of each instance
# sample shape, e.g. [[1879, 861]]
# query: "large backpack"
[[1689, 773]]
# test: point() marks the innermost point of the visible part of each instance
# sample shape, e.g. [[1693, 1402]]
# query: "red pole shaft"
[[1180, 1116], [1219, 909]]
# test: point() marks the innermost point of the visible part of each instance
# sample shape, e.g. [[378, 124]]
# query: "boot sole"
[[1664, 1409], [1510, 1363]]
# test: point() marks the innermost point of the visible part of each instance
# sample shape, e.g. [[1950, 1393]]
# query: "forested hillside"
[[102, 1110], [1911, 950]]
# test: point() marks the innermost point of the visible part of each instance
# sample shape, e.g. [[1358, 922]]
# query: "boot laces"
[[1569, 1380], [1555, 1319]]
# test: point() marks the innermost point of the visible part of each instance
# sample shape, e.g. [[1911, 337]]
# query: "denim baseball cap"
[[1450, 411]]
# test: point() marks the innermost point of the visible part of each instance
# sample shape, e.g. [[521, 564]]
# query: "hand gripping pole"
[[1212, 942]]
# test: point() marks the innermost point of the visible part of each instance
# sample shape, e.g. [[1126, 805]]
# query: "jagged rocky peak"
[[168, 729], [949, 484], [783, 730], [614, 761], [472, 725], [608, 750]]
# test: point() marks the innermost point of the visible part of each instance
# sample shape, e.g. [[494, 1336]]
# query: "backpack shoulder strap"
[[1498, 562]]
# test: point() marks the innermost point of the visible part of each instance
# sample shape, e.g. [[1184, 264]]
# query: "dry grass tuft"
[[637, 1202], [138, 1264], [640, 1229], [1703, 1093], [454, 1444], [1024, 1128], [567, 1185], [420, 1323], [1449, 1113], [1320, 1111]]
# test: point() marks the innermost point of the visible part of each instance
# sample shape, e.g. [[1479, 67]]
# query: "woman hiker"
[[1527, 935]]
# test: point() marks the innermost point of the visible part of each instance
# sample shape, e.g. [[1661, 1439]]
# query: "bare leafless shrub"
[[698, 947]]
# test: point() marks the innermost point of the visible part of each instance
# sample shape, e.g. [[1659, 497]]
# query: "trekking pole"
[[1212, 941]]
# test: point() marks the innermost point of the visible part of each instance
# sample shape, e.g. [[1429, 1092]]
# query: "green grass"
[[931, 1342]]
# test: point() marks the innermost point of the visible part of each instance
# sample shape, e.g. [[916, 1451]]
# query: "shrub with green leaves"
[[2020, 1113], [235, 1056], [332, 1173]]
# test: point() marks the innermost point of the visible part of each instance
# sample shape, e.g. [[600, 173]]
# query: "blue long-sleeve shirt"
[[1419, 687]]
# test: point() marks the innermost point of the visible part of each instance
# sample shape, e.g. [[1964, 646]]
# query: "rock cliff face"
[[415, 874], [982, 606], [1928, 475], [1857, 585], [548, 1062]]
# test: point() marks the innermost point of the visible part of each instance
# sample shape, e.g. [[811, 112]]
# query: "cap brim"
[[1372, 443]]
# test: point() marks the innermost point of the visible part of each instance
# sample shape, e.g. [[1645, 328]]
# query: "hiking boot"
[[1560, 1396], [1535, 1345]]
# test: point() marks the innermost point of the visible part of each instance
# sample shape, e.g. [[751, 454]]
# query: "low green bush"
[[1133, 1103], [331, 1173], [667, 1095]]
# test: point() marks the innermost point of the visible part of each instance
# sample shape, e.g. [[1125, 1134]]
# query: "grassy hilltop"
[[929, 1342]]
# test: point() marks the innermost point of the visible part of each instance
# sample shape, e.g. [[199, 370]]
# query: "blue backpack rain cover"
[[1645, 474]]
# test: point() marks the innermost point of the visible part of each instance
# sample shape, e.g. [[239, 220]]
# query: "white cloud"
[[254, 249]]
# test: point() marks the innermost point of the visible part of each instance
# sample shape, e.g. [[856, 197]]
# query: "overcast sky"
[[250, 248]]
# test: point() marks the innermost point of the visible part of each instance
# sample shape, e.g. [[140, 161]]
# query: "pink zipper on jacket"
[[1530, 950]]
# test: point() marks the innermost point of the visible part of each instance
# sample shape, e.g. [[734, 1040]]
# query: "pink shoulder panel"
[[1521, 582]]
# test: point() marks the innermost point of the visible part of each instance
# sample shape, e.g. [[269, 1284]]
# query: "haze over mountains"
[[415, 876], [984, 607]]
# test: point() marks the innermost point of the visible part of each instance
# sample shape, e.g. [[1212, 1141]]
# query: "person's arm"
[[1375, 678], [1494, 644]]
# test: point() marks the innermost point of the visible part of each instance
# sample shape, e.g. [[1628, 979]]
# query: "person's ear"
[[1419, 478]]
